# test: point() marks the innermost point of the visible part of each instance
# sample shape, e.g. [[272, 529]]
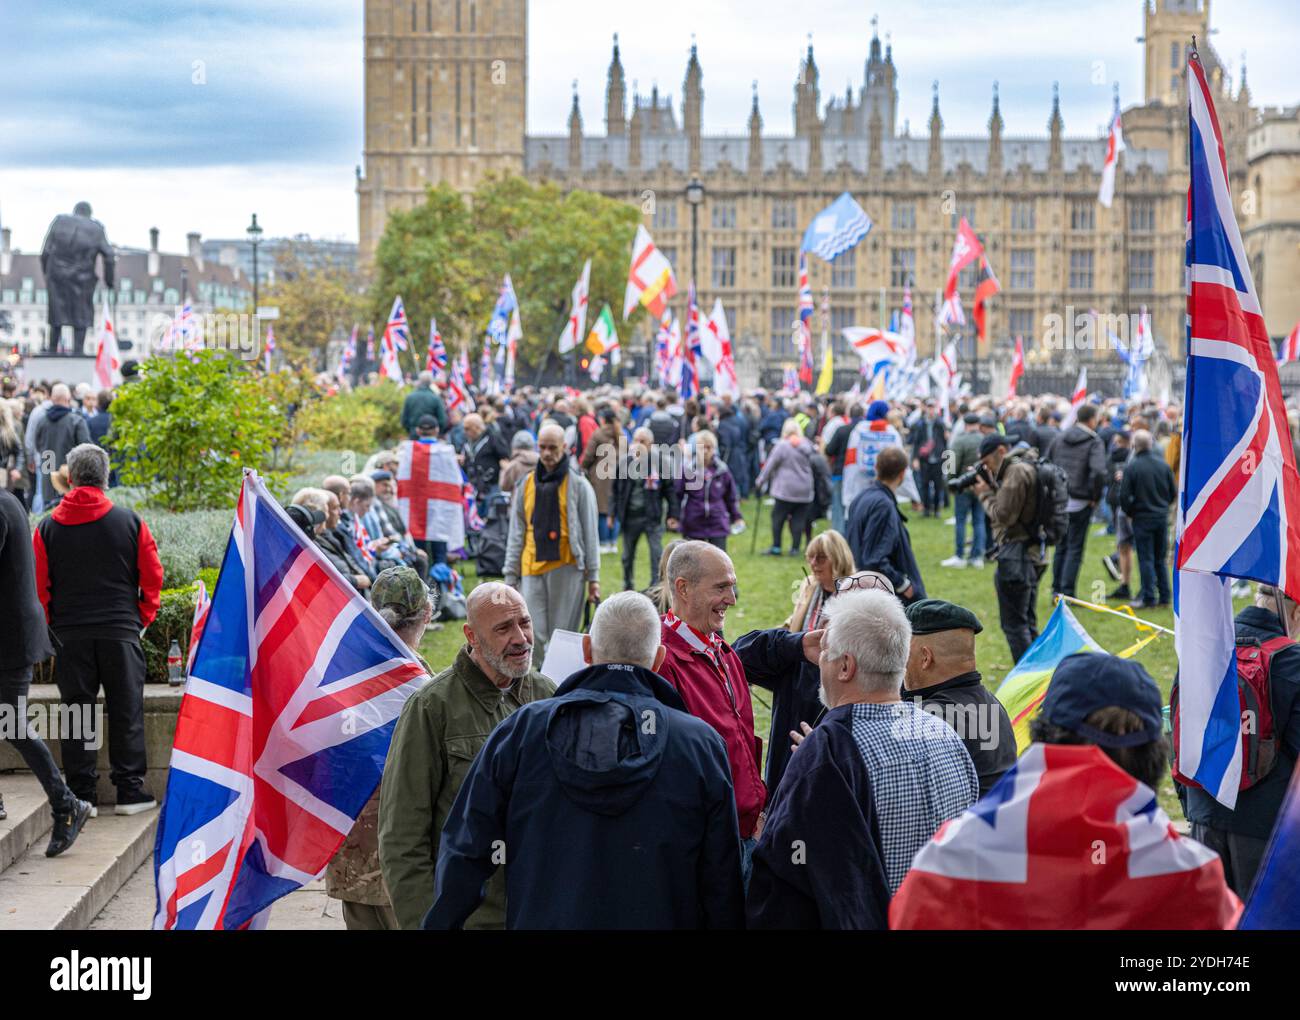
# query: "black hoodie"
[[615, 808]]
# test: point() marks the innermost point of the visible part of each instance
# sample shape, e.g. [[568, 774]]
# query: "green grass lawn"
[[767, 585]]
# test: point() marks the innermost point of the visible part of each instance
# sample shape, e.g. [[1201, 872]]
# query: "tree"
[[188, 426], [319, 299], [446, 257]]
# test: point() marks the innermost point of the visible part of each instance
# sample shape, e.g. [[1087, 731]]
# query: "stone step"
[[67, 892], [29, 818]]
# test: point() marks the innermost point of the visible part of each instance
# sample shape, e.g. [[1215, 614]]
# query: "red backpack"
[[1259, 744]]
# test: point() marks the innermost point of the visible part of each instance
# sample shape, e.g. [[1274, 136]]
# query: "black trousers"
[[82, 667], [1016, 583], [1151, 542], [31, 748], [634, 526], [1241, 855], [1069, 554], [932, 487], [796, 514]]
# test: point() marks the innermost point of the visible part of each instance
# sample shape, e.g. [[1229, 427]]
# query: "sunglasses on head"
[[866, 580]]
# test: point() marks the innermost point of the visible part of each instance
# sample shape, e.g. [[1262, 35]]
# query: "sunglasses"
[[866, 581]]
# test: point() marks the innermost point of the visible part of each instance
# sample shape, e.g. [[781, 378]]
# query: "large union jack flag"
[[1239, 494], [398, 330], [283, 730]]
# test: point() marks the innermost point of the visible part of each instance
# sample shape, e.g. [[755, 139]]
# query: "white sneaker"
[[954, 562], [950, 521], [978, 563]]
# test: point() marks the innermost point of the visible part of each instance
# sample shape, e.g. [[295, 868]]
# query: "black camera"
[[964, 481]]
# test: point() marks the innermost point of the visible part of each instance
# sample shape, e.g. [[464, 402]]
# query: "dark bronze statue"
[[68, 261]]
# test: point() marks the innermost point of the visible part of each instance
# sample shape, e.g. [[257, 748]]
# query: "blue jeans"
[[837, 504], [968, 503], [604, 531]]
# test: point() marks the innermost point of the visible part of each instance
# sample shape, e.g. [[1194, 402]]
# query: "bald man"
[[942, 680], [439, 732], [553, 551], [57, 432]]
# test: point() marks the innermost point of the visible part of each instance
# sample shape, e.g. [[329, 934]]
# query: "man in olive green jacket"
[[440, 730]]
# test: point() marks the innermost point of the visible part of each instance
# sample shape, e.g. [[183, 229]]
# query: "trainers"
[[67, 826], [954, 563], [132, 802], [950, 521], [772, 551], [1111, 563], [977, 562], [1120, 594]]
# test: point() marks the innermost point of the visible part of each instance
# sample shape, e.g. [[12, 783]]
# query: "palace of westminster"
[[445, 100]]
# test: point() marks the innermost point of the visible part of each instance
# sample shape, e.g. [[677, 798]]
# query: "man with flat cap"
[[1009, 492], [941, 679]]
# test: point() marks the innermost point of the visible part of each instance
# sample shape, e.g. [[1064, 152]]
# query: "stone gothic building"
[[446, 100]]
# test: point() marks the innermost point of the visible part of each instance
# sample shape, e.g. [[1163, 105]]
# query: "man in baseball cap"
[[942, 679]]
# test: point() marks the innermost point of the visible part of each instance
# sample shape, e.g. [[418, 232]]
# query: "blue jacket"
[[613, 805], [879, 539]]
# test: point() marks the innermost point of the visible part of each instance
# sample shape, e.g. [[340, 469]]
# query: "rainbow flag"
[[1024, 687]]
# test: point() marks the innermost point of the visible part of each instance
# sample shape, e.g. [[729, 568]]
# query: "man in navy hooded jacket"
[[609, 805]]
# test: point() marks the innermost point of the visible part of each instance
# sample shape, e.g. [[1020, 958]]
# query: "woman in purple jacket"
[[789, 470], [710, 503]]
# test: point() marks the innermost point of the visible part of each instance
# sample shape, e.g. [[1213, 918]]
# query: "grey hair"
[[88, 465], [424, 377], [361, 487], [313, 499], [1141, 440], [871, 626], [399, 622], [523, 440], [625, 629], [686, 561]]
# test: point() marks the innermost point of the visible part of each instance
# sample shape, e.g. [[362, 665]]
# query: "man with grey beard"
[[440, 730]]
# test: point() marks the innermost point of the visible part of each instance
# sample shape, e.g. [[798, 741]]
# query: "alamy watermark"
[[47, 720]]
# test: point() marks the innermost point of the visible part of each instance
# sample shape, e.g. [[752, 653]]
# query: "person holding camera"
[[1007, 486]]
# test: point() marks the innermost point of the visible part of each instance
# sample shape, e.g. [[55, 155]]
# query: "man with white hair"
[[57, 433], [866, 789], [98, 576], [618, 804], [441, 728]]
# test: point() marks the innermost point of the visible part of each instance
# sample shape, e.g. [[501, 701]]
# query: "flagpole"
[[1113, 612]]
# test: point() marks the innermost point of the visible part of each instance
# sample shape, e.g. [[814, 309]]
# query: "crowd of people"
[[636, 792]]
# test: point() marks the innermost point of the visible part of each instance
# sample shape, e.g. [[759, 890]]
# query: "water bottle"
[[175, 665]]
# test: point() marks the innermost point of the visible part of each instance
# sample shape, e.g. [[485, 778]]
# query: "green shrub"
[[187, 428], [341, 422], [173, 622], [188, 542]]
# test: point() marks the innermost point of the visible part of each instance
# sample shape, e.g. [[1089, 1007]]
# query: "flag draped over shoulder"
[[291, 702], [1026, 855], [1239, 493]]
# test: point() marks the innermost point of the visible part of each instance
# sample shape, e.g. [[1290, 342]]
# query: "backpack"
[[1053, 490], [1259, 744]]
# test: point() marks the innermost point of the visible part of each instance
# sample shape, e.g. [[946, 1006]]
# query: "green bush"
[[341, 422], [173, 623], [188, 542], [187, 428]]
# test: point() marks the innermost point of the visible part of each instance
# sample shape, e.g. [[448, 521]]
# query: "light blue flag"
[[836, 229]]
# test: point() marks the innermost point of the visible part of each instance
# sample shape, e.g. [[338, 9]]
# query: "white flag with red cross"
[[430, 496]]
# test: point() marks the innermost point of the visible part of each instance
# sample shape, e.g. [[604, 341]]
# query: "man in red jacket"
[[98, 577], [709, 675]]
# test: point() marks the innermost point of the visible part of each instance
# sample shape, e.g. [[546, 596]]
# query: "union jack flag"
[[280, 741], [499, 324], [690, 382], [437, 360], [663, 350], [370, 345], [458, 385], [361, 538], [1239, 494], [397, 330], [269, 350], [180, 329], [349, 355], [1289, 350]]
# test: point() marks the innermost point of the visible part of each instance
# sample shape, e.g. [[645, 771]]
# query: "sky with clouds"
[[190, 115]]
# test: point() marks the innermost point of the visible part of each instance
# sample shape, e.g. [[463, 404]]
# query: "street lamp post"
[[254, 238], [694, 197]]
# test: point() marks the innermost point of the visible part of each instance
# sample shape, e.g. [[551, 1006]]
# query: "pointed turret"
[[615, 95], [1054, 125], [935, 164], [575, 134], [755, 138], [875, 127], [692, 108], [634, 133], [995, 135], [807, 96]]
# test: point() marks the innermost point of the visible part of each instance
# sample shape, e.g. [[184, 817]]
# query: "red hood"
[[82, 505]]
